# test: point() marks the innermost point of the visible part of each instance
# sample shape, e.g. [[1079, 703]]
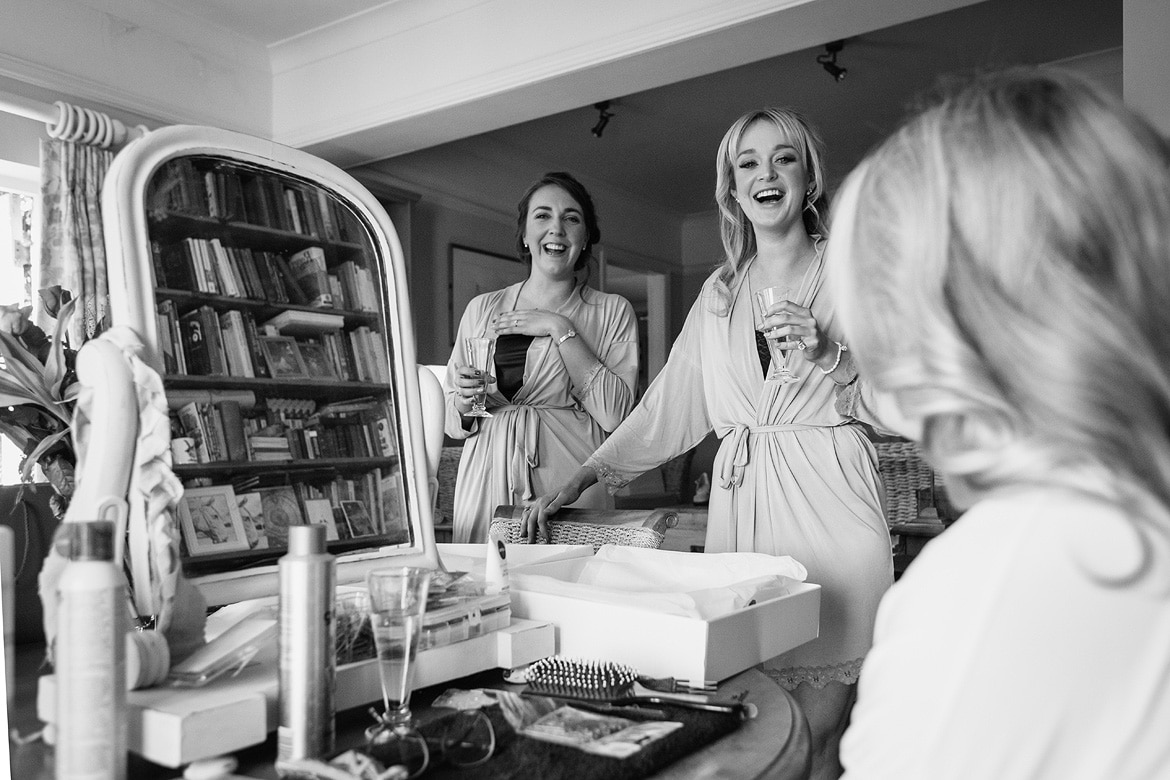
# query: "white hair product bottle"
[[8, 587], [307, 646], [90, 668], [496, 565]]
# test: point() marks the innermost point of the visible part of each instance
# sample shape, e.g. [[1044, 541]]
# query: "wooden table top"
[[772, 746]]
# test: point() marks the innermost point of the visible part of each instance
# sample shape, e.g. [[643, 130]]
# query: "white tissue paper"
[[676, 583]]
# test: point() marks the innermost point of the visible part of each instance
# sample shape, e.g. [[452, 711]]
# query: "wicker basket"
[[904, 474], [572, 532]]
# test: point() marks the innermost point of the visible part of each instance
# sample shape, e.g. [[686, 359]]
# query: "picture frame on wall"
[[211, 522], [472, 272]]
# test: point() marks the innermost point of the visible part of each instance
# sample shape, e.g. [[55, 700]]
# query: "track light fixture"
[[828, 60], [603, 115]]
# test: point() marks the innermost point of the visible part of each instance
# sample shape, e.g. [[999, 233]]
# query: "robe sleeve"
[[858, 401], [671, 418], [608, 392]]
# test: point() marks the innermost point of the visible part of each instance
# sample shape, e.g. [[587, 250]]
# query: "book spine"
[[233, 429], [213, 337], [194, 344]]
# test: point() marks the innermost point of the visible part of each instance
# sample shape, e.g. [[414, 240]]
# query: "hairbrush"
[[563, 677]]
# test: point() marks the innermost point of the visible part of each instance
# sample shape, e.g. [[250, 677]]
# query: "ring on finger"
[[801, 345]]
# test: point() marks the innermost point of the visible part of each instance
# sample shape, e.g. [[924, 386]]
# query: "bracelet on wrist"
[[841, 349], [572, 334]]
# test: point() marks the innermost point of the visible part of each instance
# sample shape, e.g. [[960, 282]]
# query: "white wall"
[[1147, 59]]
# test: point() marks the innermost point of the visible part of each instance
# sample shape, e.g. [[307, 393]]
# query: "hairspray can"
[[92, 621], [307, 646]]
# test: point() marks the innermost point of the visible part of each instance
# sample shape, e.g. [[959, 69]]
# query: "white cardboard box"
[[663, 645]]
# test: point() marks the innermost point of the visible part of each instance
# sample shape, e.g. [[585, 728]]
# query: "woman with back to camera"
[[565, 369], [794, 477], [1022, 227]]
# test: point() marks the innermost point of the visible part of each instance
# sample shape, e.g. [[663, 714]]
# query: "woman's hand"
[[469, 384], [539, 511], [797, 329], [532, 322]]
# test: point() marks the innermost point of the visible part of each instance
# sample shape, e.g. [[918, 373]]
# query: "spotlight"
[[603, 115], [828, 60]]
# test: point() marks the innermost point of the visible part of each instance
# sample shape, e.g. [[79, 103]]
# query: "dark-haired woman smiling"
[[566, 364]]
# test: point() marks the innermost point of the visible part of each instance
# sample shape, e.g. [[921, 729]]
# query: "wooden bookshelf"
[[276, 359]]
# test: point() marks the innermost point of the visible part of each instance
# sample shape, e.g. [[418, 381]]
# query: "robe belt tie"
[[732, 471], [525, 449]]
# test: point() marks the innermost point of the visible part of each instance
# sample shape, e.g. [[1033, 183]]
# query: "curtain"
[[73, 254]]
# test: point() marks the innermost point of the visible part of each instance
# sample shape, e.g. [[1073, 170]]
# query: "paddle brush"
[[562, 677]]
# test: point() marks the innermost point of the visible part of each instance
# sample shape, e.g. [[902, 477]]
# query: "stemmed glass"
[[766, 299], [398, 601], [479, 351]]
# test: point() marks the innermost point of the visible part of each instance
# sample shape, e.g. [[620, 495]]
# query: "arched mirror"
[[269, 288]]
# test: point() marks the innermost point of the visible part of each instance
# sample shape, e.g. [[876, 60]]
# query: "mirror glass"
[[269, 296]]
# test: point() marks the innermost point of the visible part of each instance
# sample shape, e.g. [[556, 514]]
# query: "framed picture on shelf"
[[357, 518], [210, 521], [281, 509], [316, 360], [473, 272], [252, 513], [320, 512], [283, 357]]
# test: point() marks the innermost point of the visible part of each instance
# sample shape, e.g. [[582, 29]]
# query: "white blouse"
[[1031, 640]]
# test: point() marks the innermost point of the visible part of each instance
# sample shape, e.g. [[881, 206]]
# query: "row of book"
[[366, 505], [208, 342], [228, 193], [225, 429], [244, 517], [206, 265]]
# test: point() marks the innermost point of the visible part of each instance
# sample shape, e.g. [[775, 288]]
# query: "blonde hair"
[[739, 239], [1002, 269]]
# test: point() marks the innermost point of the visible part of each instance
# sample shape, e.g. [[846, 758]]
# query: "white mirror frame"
[[131, 283]]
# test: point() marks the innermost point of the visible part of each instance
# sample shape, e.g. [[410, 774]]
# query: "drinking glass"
[[479, 355], [765, 300], [398, 600]]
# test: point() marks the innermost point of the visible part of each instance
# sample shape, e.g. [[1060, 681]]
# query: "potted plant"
[[38, 389]]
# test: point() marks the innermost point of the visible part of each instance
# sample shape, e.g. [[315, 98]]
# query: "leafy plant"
[[38, 388]]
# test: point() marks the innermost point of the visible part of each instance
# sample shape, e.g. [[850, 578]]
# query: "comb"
[[563, 677]]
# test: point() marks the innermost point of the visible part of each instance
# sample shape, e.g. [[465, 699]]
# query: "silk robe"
[[792, 475], [533, 444]]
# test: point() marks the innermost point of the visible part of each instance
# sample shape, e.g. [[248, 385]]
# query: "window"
[[18, 202]]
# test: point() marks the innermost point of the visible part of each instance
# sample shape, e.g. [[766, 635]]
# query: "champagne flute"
[[398, 601], [479, 351], [766, 299]]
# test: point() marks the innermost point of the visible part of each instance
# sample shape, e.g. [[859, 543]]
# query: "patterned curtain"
[[73, 253]]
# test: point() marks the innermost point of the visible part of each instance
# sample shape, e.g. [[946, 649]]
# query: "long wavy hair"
[[739, 238], [1002, 269], [576, 190]]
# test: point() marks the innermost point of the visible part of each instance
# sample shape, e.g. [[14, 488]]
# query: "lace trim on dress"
[[613, 480], [817, 676], [590, 377]]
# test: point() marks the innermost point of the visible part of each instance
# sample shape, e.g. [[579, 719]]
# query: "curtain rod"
[[68, 122]]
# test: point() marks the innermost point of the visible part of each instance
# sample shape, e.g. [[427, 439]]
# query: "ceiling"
[[657, 149], [659, 145]]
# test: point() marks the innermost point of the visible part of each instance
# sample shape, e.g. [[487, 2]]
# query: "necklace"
[[557, 310]]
